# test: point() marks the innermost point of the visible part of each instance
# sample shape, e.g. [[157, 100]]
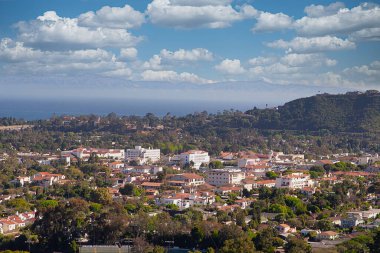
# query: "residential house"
[[189, 179], [285, 228], [352, 220], [328, 235], [46, 178], [294, 181], [151, 185], [264, 183]]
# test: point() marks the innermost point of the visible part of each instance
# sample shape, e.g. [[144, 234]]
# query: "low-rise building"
[[219, 177], [285, 228], [189, 179], [352, 220], [46, 178], [151, 185], [198, 157], [264, 183], [143, 155], [327, 235], [294, 181], [85, 153]]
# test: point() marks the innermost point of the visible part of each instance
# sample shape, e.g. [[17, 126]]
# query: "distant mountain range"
[[350, 112]]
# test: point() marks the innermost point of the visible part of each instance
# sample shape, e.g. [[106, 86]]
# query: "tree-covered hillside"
[[350, 112]]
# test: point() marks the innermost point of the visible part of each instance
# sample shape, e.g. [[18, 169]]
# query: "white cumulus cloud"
[[54, 32], [196, 54], [316, 11], [112, 17], [267, 22], [19, 58], [344, 21], [314, 44], [172, 76], [129, 53], [193, 14], [369, 34], [230, 67]]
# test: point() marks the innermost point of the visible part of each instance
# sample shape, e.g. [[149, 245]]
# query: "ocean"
[[32, 109]]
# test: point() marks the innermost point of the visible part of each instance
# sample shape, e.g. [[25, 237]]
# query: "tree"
[[215, 165], [19, 204], [238, 245], [101, 195], [108, 226], [271, 175], [127, 189], [256, 214], [228, 232], [296, 245], [267, 240], [62, 224], [240, 218], [360, 244], [324, 225], [210, 250], [197, 234]]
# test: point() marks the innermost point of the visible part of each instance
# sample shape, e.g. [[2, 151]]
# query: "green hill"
[[350, 112]]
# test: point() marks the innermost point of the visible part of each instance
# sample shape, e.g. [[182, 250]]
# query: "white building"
[[294, 181], [196, 156], [369, 159], [244, 162], [190, 179], [143, 155], [220, 177], [85, 153], [327, 235]]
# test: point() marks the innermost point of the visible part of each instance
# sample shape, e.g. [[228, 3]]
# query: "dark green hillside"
[[350, 112]]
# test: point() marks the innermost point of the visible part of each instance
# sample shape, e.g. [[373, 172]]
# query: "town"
[[278, 200]]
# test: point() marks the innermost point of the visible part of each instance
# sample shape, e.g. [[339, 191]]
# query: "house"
[[224, 190], [151, 185], [308, 191], [328, 235], [258, 170], [46, 178], [227, 156], [20, 223], [13, 223], [7, 226], [285, 228], [244, 203], [189, 179], [116, 165], [372, 213], [294, 181], [336, 220], [248, 161], [264, 183], [352, 220], [21, 180]]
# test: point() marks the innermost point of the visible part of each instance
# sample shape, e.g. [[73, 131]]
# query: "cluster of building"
[[44, 179], [13, 223]]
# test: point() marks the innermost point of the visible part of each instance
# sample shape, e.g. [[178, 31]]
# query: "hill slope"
[[350, 112]]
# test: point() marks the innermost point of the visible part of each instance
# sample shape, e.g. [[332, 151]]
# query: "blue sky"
[[175, 48]]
